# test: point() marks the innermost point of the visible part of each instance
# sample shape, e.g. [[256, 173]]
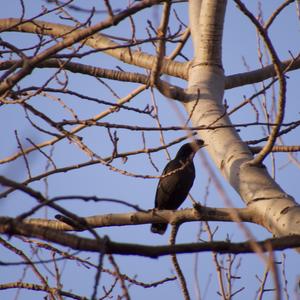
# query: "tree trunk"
[[272, 207]]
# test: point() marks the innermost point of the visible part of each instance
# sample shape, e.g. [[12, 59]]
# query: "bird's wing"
[[173, 178], [171, 187]]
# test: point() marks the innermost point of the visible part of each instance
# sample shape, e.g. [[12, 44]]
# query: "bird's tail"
[[159, 228]]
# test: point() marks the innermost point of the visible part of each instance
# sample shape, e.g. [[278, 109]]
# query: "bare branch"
[[282, 85], [177, 268], [12, 226]]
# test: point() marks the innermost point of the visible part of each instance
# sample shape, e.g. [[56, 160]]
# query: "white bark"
[[274, 209]]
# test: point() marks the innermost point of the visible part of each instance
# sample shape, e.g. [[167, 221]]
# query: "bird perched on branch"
[[174, 188]]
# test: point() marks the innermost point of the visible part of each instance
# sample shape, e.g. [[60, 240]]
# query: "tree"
[[86, 130]]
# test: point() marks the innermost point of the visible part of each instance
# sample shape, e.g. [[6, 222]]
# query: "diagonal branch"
[[70, 39], [282, 85]]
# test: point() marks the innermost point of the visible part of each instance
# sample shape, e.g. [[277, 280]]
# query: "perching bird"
[[173, 189]]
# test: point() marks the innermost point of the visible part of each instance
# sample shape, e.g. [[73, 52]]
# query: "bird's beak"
[[201, 144]]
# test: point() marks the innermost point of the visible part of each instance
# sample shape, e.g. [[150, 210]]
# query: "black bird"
[[173, 189]]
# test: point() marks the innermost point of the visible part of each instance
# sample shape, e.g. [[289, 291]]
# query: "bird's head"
[[187, 151]]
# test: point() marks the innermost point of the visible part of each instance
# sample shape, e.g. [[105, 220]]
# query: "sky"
[[239, 48]]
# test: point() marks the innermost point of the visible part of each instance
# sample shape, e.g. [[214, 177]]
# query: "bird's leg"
[[196, 205]]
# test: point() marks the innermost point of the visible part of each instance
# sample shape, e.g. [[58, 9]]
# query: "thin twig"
[[282, 85], [177, 268]]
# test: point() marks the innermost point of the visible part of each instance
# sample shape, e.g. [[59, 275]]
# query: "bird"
[[172, 190]]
